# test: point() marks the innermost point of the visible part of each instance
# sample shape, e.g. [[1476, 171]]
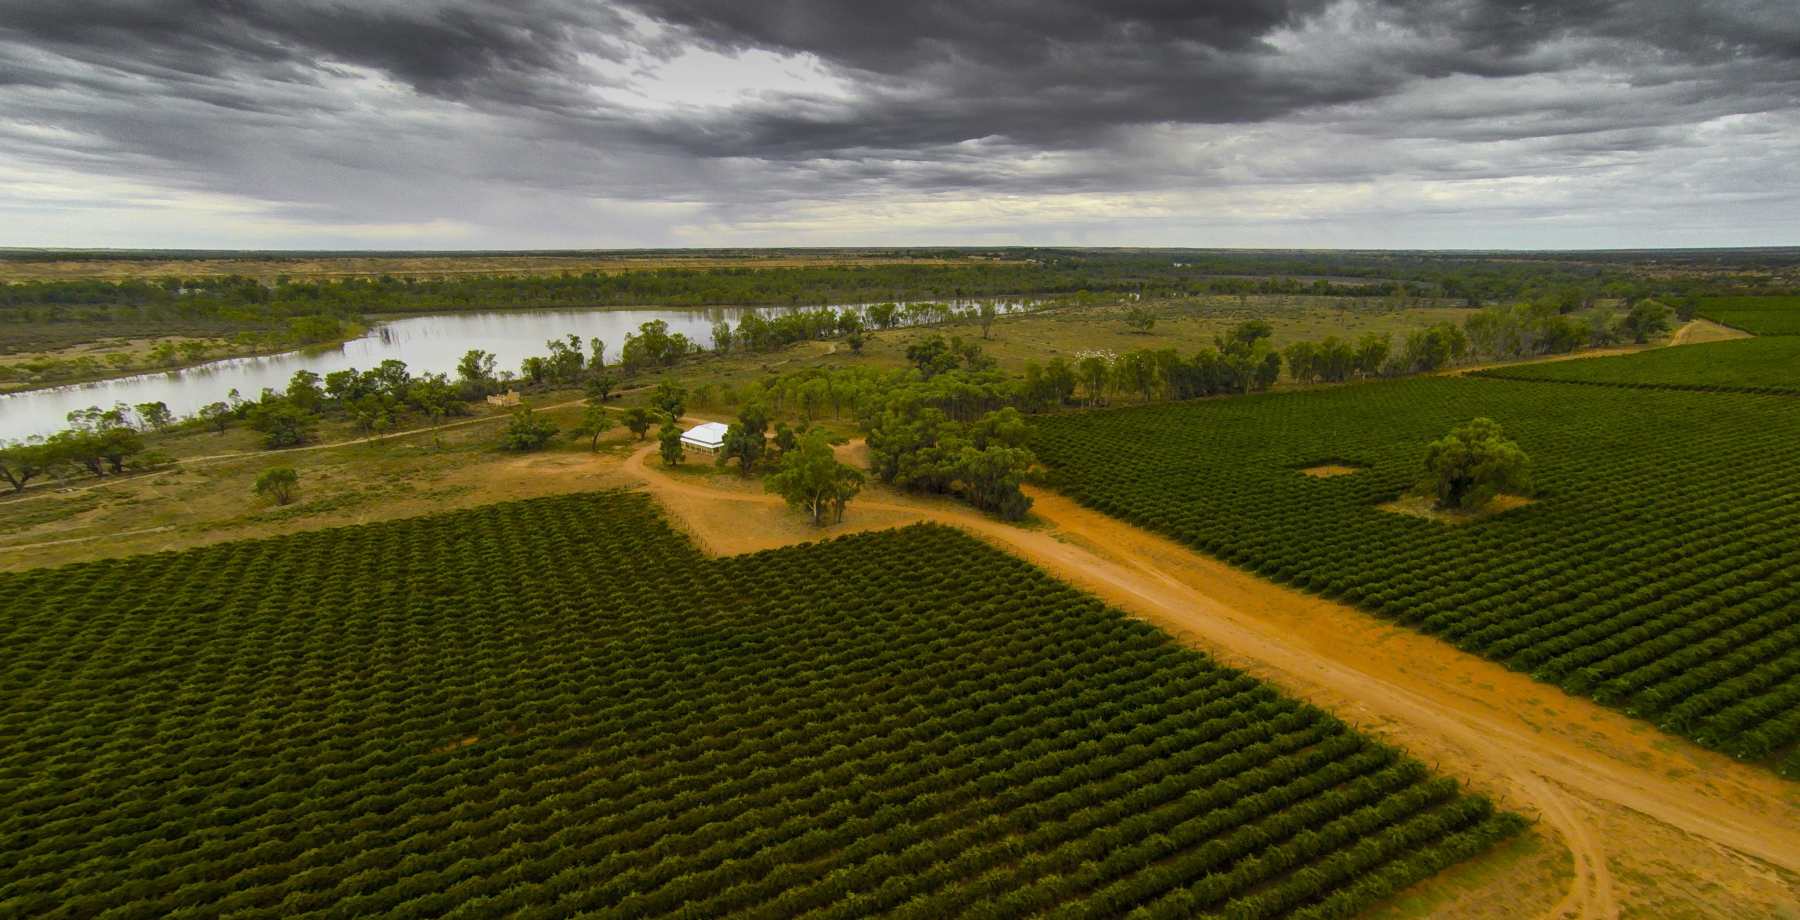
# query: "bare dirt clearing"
[[1650, 825], [1421, 506], [1328, 470]]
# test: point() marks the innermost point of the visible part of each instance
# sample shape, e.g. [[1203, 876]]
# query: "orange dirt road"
[[1652, 825]]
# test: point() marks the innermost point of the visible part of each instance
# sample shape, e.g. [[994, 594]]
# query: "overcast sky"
[[387, 124]]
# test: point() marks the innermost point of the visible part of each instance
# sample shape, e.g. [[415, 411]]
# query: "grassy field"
[[559, 705], [1069, 330], [1759, 315], [1658, 570], [1758, 365], [207, 501], [1189, 324]]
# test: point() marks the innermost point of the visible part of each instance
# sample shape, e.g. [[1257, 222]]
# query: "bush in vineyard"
[[1475, 462]]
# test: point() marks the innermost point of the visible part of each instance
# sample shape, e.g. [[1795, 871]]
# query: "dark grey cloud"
[[544, 116], [452, 50]]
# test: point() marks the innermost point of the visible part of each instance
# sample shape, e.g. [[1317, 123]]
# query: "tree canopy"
[[669, 443], [746, 439], [1473, 463], [595, 421], [527, 431], [280, 484], [812, 479]]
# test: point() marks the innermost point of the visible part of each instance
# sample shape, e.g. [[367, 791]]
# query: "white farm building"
[[708, 437]]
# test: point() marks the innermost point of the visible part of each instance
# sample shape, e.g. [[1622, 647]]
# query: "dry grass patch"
[[1701, 331], [1422, 506], [1328, 470]]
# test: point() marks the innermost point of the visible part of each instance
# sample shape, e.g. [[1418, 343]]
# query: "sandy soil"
[[1633, 822], [1328, 470]]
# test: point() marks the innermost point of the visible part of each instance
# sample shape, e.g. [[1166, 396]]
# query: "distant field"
[[1761, 315], [1069, 330], [420, 266], [1759, 365], [558, 704], [1658, 571]]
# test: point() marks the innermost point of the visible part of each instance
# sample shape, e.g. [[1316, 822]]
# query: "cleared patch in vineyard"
[[1759, 365], [557, 706], [1657, 571]]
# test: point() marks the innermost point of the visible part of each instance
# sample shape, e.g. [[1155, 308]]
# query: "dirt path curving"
[[1701, 331], [1727, 835]]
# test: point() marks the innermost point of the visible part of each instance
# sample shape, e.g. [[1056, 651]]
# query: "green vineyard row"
[[1658, 570], [1761, 365], [557, 707], [1758, 315]]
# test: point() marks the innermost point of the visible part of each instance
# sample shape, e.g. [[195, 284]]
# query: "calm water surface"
[[428, 344]]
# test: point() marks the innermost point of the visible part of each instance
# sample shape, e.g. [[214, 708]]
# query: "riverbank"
[[220, 351], [431, 343]]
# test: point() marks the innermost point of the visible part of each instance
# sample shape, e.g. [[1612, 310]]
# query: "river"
[[431, 344]]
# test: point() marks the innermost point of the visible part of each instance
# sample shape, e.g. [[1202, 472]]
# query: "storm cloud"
[[404, 124]]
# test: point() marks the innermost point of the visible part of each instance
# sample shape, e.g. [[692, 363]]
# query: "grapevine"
[[558, 706], [1657, 571]]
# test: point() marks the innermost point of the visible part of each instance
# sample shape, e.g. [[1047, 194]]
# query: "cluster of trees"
[[565, 362], [1240, 361], [373, 400], [526, 430], [1424, 350], [759, 332], [933, 355], [654, 346], [1334, 360], [756, 332], [1529, 328], [917, 442], [921, 449], [97, 442], [948, 424]]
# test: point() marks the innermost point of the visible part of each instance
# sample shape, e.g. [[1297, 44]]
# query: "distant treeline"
[[1473, 280], [247, 299]]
